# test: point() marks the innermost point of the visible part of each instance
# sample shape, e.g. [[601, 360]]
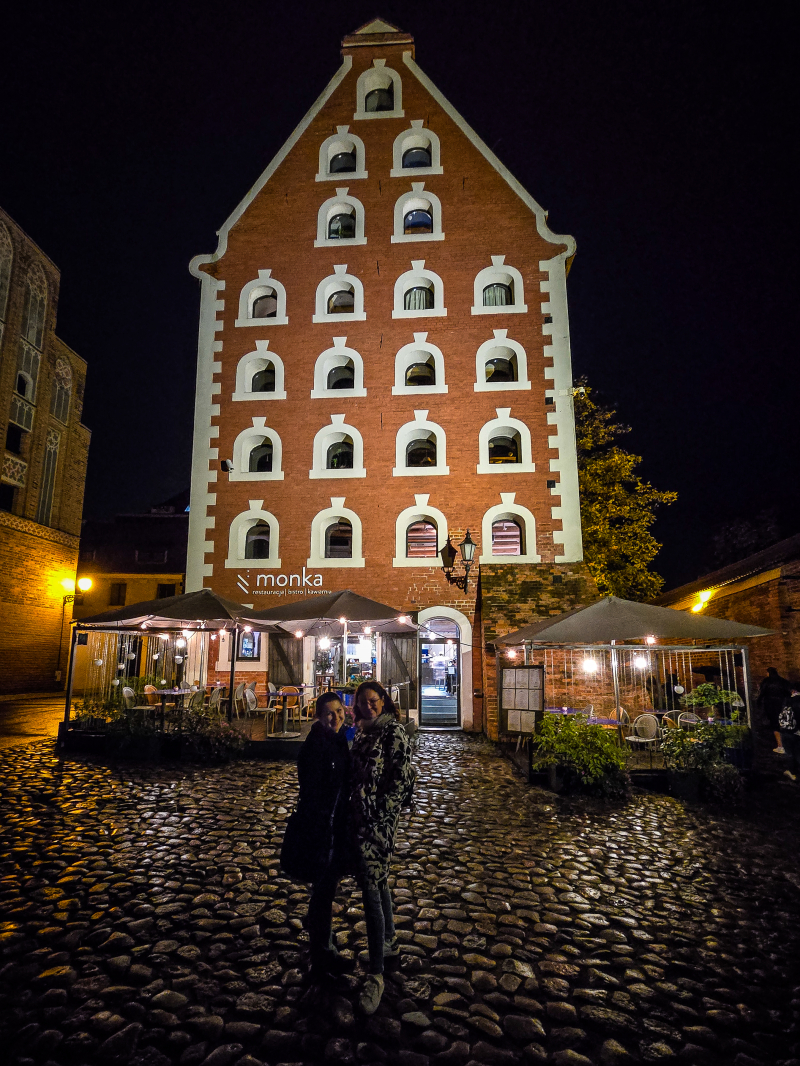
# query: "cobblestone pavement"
[[24, 719], [145, 921]]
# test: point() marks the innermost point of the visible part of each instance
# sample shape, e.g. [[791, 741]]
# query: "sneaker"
[[780, 751], [790, 775], [371, 993]]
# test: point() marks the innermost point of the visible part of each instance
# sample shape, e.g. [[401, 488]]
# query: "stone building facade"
[[384, 361], [45, 449]]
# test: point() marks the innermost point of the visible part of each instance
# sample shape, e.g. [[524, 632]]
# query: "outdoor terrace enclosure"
[[384, 359]]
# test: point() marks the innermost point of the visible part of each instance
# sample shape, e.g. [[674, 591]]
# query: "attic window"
[[380, 99]]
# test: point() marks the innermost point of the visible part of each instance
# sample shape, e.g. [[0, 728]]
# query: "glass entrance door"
[[439, 673]]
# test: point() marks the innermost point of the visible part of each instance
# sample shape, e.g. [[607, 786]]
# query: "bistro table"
[[164, 692], [285, 733]]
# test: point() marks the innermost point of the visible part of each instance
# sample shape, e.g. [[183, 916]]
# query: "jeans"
[[791, 742], [320, 906], [380, 922]]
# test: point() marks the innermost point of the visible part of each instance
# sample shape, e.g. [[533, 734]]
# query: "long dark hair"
[[374, 686]]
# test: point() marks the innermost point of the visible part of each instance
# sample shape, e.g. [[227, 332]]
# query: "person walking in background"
[[789, 721], [323, 772], [773, 693], [381, 783]]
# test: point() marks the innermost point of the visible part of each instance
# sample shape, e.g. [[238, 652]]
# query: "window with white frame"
[[420, 534], [499, 290], [61, 390], [419, 293], [340, 220], [501, 365], [6, 259], [254, 539], [417, 216], [336, 537], [262, 302], [343, 153], [418, 368], [416, 151], [257, 454], [379, 93], [504, 445], [338, 451], [35, 306], [421, 448], [260, 375], [27, 376], [508, 533], [340, 298], [338, 372]]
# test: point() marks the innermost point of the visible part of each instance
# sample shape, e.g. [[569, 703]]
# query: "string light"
[[589, 666], [298, 633], [640, 662]]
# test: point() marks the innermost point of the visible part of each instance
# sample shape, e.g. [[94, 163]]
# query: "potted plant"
[[697, 765], [579, 757], [707, 696]]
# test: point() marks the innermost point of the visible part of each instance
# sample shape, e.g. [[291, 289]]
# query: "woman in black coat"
[[323, 772]]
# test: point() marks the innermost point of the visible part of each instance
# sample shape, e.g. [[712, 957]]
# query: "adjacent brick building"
[[43, 467], [384, 360]]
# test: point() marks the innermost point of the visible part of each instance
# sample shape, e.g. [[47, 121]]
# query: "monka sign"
[[278, 584]]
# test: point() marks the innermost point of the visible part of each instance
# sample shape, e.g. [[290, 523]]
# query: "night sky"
[[659, 134]]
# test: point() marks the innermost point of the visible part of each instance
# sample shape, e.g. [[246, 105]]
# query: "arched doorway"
[[440, 673]]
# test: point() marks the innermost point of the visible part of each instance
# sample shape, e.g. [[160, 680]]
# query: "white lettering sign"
[[266, 582]]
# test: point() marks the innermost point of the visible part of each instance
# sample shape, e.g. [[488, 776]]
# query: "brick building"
[[763, 590], [44, 467], [384, 360]]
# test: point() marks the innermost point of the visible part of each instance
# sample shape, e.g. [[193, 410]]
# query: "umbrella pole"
[[615, 676], [234, 648]]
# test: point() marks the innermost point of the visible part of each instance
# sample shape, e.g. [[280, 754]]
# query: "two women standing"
[[359, 808]]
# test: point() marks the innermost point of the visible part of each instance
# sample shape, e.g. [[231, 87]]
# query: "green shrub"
[[723, 784], [590, 758]]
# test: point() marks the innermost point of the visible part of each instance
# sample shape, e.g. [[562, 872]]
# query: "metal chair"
[[197, 701], [214, 701], [689, 720], [238, 698], [269, 709], [645, 731], [129, 696]]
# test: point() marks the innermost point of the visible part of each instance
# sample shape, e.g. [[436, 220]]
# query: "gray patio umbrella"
[[614, 619], [319, 616], [203, 609]]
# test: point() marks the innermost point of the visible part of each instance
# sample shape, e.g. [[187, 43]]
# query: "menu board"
[[522, 695]]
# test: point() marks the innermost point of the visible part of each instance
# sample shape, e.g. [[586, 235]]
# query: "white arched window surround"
[[418, 275], [493, 349], [247, 368], [320, 524], [507, 509], [341, 141], [332, 434], [420, 512], [416, 137], [340, 279], [379, 76], [417, 200], [336, 205], [420, 427], [410, 354], [237, 539], [252, 291], [465, 647], [498, 272], [338, 355], [251, 438], [504, 424]]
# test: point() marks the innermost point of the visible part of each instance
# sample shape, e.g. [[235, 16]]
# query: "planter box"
[[685, 784]]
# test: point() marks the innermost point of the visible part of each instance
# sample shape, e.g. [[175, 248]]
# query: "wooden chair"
[[293, 701]]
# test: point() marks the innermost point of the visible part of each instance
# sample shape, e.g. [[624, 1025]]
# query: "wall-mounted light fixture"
[[448, 554]]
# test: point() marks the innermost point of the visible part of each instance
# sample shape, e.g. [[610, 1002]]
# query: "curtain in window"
[[45, 508], [418, 299], [497, 295]]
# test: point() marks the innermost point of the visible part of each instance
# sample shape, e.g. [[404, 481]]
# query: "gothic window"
[[61, 391], [33, 311], [47, 491], [6, 258]]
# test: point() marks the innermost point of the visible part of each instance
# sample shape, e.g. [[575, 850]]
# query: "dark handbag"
[[306, 847]]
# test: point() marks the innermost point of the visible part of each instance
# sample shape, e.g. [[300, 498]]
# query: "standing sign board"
[[522, 697]]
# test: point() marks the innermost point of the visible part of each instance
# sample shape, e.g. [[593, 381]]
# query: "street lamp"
[[68, 585], [448, 554]]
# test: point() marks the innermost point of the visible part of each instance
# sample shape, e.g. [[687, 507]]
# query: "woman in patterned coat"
[[381, 784]]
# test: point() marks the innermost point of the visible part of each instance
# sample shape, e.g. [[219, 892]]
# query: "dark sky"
[[659, 134]]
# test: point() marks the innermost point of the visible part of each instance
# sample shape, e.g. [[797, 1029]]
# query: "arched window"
[[262, 302], [257, 541], [338, 370], [418, 220], [340, 220], [507, 537], [27, 377], [261, 458], [24, 385], [340, 297], [33, 311], [501, 365], [504, 443], [342, 377], [418, 292], [380, 99], [417, 216], [342, 227], [264, 380], [259, 375], [6, 259], [379, 92], [499, 289], [339, 540], [421, 451], [413, 158], [421, 374], [340, 455], [343, 153], [61, 391], [504, 448], [418, 298], [421, 540]]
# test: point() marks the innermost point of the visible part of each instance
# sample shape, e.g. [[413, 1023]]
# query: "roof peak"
[[378, 26], [377, 32]]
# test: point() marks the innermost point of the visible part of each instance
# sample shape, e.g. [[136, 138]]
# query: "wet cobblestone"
[[143, 920]]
